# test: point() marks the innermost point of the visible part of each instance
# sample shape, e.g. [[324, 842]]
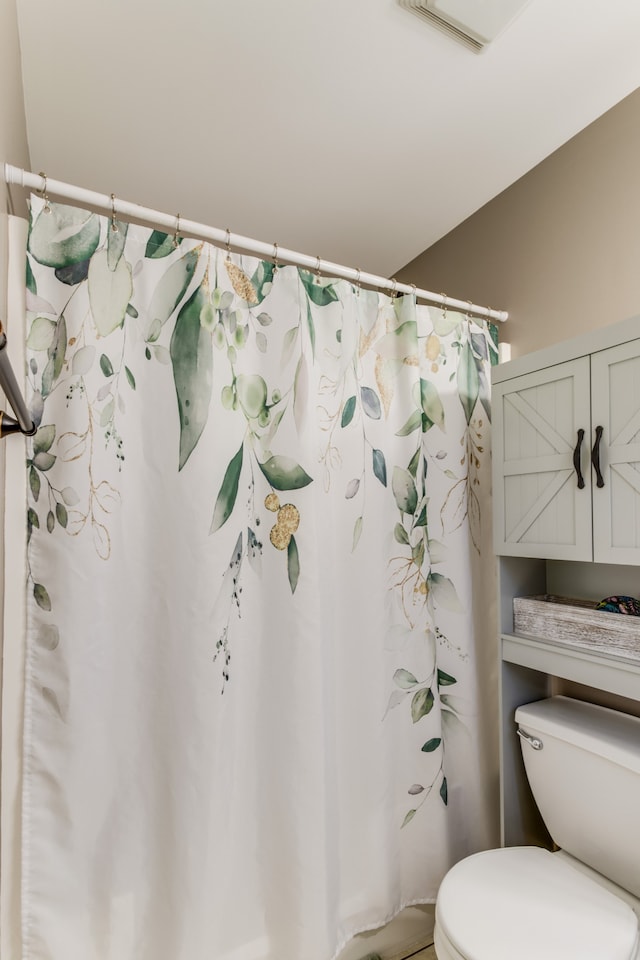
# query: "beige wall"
[[13, 132], [560, 248], [13, 128], [13, 149]]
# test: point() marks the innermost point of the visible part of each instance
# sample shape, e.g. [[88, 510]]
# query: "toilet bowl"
[[525, 903], [582, 902]]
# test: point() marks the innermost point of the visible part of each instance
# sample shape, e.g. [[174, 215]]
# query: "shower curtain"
[[258, 689]]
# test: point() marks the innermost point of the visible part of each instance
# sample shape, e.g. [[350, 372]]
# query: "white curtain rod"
[[42, 183]]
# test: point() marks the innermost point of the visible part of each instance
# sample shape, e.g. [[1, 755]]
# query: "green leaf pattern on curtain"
[[204, 313]]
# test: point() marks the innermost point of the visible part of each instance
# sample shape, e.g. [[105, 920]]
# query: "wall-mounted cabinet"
[[566, 485], [567, 459]]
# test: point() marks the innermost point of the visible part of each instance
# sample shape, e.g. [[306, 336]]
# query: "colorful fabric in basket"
[[620, 605]]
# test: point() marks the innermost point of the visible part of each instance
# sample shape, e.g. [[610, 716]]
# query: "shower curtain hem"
[[421, 902]]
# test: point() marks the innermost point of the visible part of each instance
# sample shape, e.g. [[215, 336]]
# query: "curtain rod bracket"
[[8, 426], [24, 422]]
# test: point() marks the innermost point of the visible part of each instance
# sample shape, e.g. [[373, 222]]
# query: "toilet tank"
[[586, 781]]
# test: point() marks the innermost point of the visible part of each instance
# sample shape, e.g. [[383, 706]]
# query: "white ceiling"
[[349, 129]]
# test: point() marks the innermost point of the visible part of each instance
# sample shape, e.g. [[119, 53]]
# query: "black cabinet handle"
[[576, 459], [595, 457]]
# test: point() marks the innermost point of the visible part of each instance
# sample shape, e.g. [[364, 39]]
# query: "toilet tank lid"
[[599, 730]]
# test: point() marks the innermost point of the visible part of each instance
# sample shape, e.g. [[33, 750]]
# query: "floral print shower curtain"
[[258, 528]]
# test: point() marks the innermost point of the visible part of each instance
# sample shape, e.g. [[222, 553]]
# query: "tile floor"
[[406, 936], [428, 953]]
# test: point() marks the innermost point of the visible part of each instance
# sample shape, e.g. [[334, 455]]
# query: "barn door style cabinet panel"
[[567, 457], [615, 404], [566, 503]]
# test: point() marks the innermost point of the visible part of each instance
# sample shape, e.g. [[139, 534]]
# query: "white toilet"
[[582, 902]]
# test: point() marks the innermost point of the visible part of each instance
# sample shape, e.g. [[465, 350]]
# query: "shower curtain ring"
[[43, 193], [415, 292], [444, 305], [394, 288], [114, 225], [276, 265], [318, 262], [358, 284], [470, 302], [228, 244], [176, 236]]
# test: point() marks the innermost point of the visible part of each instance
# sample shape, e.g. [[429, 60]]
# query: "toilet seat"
[[526, 903]]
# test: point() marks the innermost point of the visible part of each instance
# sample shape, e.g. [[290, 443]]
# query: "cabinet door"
[[615, 398], [539, 510]]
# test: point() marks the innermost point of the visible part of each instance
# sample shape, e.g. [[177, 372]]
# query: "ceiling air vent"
[[474, 22]]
